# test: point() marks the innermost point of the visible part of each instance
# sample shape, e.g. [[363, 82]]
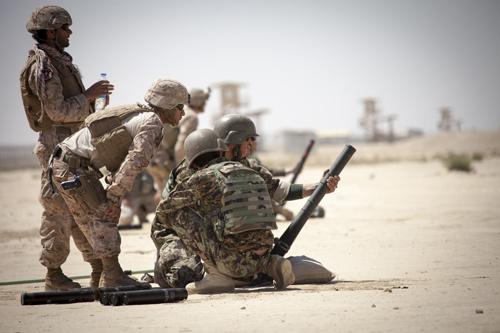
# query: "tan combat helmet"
[[198, 97], [235, 128], [166, 94], [200, 142], [48, 18]]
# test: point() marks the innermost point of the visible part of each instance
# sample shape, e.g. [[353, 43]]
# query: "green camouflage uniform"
[[194, 206], [175, 265]]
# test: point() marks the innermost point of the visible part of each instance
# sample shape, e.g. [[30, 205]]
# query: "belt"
[[74, 161]]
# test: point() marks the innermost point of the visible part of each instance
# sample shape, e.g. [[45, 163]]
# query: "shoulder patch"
[[46, 74]]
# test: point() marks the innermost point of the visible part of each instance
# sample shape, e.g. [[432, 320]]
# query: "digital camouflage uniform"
[[172, 255], [164, 159], [122, 140], [277, 207], [194, 205], [176, 265], [171, 150], [139, 201], [100, 224], [50, 76]]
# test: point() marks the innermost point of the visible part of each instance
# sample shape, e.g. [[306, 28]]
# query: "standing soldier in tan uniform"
[[56, 103], [122, 140], [197, 101]]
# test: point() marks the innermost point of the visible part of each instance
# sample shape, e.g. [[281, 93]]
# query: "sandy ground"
[[415, 248]]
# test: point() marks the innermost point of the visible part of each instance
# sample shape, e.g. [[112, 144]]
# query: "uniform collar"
[[52, 52]]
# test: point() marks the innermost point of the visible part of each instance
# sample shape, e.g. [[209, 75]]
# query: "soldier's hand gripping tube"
[[298, 168], [283, 244], [151, 296], [72, 296]]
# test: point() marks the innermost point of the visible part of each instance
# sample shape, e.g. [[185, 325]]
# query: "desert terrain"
[[415, 248]]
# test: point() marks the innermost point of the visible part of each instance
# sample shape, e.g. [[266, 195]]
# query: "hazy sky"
[[310, 62]]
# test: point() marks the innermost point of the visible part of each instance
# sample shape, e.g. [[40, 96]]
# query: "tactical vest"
[[109, 136], [246, 204], [72, 86]]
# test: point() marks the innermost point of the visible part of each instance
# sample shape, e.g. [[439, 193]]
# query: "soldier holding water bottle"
[[56, 103]]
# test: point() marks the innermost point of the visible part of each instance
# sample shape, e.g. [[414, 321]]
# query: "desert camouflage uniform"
[[100, 225], [139, 201], [194, 205], [164, 159], [46, 83]]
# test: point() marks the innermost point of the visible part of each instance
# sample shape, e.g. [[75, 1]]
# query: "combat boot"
[[213, 282], [95, 276], [113, 276], [55, 280], [280, 269]]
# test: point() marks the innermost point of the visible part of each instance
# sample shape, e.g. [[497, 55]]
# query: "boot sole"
[[210, 289]]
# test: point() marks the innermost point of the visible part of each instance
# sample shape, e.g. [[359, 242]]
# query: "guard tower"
[[230, 97], [231, 101], [447, 122], [371, 119]]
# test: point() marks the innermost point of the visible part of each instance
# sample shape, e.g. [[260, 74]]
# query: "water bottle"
[[100, 102]]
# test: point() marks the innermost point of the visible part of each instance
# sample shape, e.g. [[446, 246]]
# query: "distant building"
[[414, 132], [333, 137], [292, 141], [295, 141]]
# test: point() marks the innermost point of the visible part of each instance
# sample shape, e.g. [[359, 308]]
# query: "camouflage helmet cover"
[[235, 128], [166, 94], [200, 142], [48, 18], [198, 97]]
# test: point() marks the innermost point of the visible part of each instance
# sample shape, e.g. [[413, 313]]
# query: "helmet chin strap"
[[236, 154]]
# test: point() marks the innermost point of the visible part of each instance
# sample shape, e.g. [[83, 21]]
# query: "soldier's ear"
[[51, 34]]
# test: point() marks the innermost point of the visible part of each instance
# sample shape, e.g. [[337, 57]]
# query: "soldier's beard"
[[61, 44]]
